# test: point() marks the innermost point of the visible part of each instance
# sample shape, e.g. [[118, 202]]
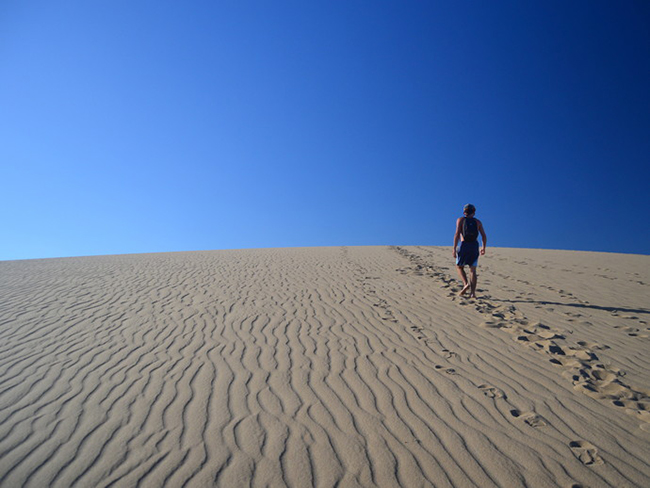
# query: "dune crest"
[[349, 366]]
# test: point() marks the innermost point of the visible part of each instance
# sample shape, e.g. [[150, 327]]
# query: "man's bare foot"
[[472, 295], [464, 290]]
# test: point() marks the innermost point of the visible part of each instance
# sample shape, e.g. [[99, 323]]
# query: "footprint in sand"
[[531, 418], [586, 452], [492, 391], [592, 345], [631, 331], [639, 408], [389, 315], [446, 370], [449, 354], [493, 324]]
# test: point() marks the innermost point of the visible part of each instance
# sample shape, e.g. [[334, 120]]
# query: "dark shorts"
[[468, 254]]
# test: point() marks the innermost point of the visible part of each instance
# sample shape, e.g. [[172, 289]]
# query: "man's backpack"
[[470, 229]]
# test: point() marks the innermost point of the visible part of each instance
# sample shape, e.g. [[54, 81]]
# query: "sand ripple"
[[308, 367]]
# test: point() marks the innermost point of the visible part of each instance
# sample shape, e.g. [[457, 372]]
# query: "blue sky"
[[146, 126]]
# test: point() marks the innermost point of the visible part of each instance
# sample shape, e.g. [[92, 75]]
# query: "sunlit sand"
[[356, 366]]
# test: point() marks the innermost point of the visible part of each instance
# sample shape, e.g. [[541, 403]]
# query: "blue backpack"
[[470, 229]]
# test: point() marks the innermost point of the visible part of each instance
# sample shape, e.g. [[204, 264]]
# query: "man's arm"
[[459, 227], [483, 236]]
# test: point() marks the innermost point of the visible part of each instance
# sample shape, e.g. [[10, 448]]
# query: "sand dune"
[[325, 367]]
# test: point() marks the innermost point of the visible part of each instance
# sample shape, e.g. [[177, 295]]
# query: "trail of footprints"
[[580, 362], [386, 313], [573, 316], [423, 269]]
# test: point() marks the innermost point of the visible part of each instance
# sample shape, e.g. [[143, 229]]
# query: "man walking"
[[467, 230]]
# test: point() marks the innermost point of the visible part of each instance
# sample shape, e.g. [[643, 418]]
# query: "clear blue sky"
[[145, 126]]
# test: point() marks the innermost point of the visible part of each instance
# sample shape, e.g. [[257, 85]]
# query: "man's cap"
[[469, 208]]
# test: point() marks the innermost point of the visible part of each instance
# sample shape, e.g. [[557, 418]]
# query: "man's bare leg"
[[473, 278], [463, 276]]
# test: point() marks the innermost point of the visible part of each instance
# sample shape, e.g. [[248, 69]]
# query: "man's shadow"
[[578, 305]]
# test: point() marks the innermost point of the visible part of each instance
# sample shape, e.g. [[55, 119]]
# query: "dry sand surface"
[[325, 367]]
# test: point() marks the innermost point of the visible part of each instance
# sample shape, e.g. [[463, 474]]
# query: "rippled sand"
[[325, 367]]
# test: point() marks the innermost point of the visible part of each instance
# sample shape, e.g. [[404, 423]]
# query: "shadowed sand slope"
[[325, 367]]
